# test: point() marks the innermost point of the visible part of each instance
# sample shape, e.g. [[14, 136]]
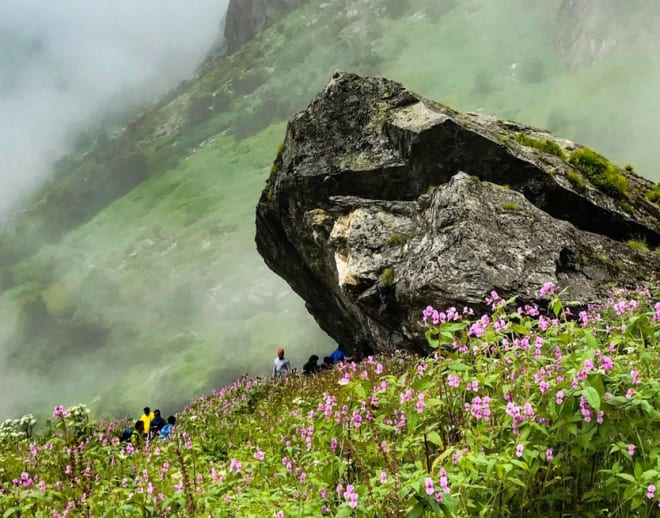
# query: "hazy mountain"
[[129, 272]]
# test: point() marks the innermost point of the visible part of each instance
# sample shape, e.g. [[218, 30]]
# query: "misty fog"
[[64, 63], [164, 288]]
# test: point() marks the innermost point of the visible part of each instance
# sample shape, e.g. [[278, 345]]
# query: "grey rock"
[[247, 18], [383, 202]]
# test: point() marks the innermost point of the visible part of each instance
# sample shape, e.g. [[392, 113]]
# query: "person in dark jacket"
[[156, 424], [312, 366]]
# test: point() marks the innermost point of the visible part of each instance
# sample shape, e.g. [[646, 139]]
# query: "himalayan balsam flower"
[[519, 450], [631, 449], [559, 397], [428, 482], [383, 477], [351, 496], [548, 455], [650, 492], [547, 289]]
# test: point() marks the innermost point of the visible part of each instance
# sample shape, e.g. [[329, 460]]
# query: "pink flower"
[[650, 492], [519, 450], [280, 514], [428, 483], [559, 397], [635, 377], [453, 381], [59, 411], [351, 496], [631, 449], [547, 289], [548, 455]]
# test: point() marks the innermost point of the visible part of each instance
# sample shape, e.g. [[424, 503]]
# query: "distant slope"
[[135, 266]]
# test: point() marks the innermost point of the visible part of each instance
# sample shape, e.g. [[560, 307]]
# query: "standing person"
[[146, 418], [281, 365], [157, 424]]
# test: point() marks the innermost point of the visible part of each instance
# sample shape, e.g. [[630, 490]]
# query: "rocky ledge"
[[381, 202]]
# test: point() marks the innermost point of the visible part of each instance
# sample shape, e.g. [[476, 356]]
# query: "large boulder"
[[381, 202]]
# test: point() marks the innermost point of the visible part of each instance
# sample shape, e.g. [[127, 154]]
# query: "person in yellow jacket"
[[146, 418]]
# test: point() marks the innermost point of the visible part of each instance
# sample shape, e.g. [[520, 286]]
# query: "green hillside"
[[515, 414], [135, 265]]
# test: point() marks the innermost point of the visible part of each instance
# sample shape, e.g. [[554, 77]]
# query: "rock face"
[[382, 202], [588, 30], [247, 18]]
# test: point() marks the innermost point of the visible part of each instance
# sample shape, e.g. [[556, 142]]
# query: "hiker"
[[327, 363], [157, 424], [338, 355], [311, 367], [281, 365], [137, 436], [146, 418], [167, 429]]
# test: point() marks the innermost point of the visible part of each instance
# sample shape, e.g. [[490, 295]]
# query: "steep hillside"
[[515, 414], [135, 266]]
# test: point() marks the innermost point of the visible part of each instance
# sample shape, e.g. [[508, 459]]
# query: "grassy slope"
[[517, 415], [164, 286]]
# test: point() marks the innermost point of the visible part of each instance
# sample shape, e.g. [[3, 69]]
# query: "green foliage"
[[387, 276], [511, 206], [547, 146], [577, 181], [638, 245], [516, 414], [600, 172], [399, 239], [625, 206], [654, 194]]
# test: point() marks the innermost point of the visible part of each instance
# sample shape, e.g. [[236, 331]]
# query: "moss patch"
[[399, 239], [387, 276], [600, 172], [511, 206], [654, 194], [547, 146], [639, 245]]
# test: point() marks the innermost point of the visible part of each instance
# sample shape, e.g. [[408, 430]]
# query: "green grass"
[[602, 173], [638, 245], [577, 181], [546, 146], [654, 194]]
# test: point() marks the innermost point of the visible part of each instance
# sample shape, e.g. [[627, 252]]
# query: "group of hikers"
[[149, 426], [282, 365]]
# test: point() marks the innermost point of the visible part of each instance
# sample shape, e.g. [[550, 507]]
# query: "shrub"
[[600, 172]]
